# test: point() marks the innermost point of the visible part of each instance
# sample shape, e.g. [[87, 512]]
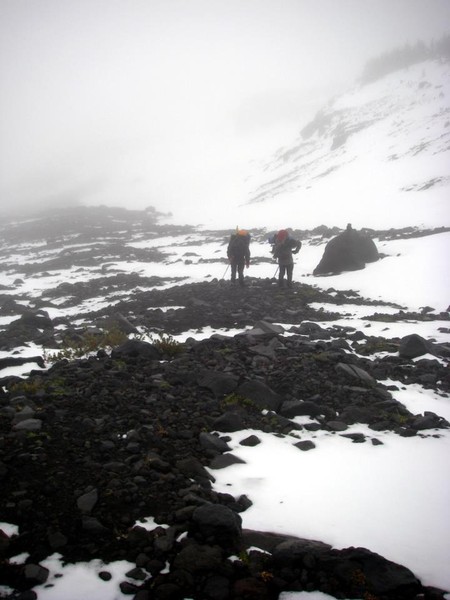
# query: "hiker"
[[238, 253], [283, 248]]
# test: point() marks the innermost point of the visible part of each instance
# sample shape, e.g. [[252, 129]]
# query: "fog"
[[168, 102]]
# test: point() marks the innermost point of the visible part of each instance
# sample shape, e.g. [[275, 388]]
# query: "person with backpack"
[[283, 248], [238, 253]]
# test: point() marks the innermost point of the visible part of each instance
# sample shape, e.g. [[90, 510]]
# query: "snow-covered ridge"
[[378, 154]]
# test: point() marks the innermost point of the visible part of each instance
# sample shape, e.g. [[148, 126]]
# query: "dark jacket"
[[238, 250], [283, 251]]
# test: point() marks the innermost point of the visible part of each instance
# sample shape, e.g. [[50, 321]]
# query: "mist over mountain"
[[377, 155], [168, 431]]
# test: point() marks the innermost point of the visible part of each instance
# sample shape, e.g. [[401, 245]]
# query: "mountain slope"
[[378, 156], [130, 428]]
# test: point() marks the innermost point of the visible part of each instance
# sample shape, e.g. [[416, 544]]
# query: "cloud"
[[151, 102]]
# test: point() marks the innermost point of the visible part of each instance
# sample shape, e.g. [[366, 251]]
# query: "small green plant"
[[160, 430], [372, 347], [39, 437], [225, 351], [394, 416], [272, 421], [120, 364], [167, 344], [237, 400], [164, 385], [57, 387], [401, 419], [86, 344], [29, 387]]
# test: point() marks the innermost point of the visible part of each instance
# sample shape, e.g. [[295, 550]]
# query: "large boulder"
[[260, 394], [32, 326], [413, 345], [349, 251], [220, 384], [369, 575], [216, 524]]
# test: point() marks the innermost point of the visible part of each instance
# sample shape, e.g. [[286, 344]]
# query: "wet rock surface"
[[348, 251], [91, 447], [139, 433]]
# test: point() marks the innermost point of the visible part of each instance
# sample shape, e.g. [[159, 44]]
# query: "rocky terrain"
[[92, 445]]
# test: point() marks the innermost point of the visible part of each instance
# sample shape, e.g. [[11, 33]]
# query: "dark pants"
[[239, 268], [285, 270]]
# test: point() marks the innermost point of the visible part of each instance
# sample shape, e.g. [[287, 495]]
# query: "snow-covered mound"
[[377, 156]]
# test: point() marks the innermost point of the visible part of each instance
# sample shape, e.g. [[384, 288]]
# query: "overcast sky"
[[164, 102]]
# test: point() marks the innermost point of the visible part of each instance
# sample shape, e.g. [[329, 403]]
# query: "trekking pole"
[[226, 271], [275, 274]]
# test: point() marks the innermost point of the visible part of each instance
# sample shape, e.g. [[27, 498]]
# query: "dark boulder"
[[229, 421], [305, 445], [191, 467], [12, 361], [367, 573], [356, 372], [123, 324], [291, 552], [412, 346], [357, 414], [10, 307], [297, 408], [36, 573], [209, 441], [196, 558], [251, 440], [220, 384], [225, 460], [38, 319], [261, 394], [428, 420], [33, 325], [216, 524], [349, 251]]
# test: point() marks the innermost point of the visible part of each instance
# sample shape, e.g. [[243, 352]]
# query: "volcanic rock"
[[349, 251]]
